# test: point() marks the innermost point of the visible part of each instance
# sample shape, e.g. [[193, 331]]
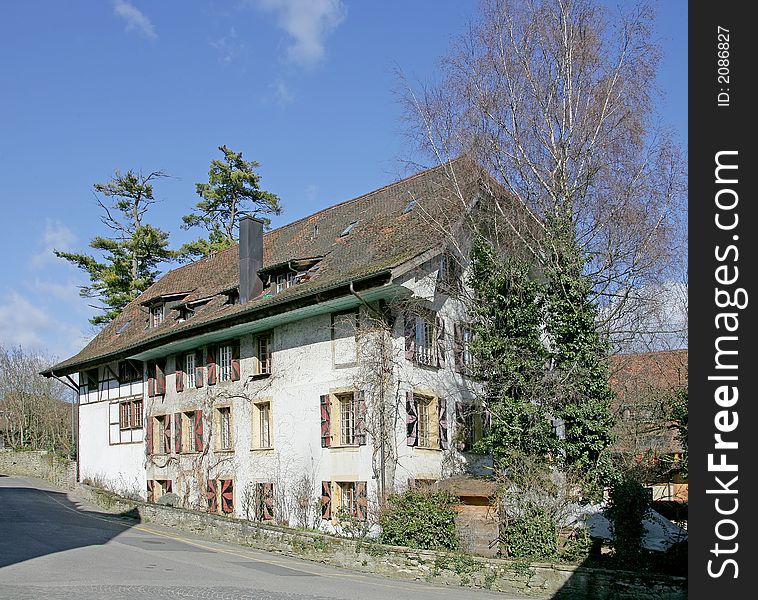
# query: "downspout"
[[74, 403], [382, 467]]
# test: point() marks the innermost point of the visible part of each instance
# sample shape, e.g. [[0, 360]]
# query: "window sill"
[[260, 375], [428, 449], [350, 447], [224, 450], [268, 449]]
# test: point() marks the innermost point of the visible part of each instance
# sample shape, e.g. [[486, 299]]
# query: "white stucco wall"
[[304, 368]]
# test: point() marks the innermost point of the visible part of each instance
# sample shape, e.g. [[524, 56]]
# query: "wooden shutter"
[[198, 368], [410, 336], [198, 430], [150, 490], [458, 347], [151, 378], [360, 418], [460, 426], [411, 419], [227, 495], [439, 334], [211, 496], [179, 372], [167, 486], [167, 433], [149, 436], [266, 495], [442, 412], [160, 376], [235, 360], [326, 435], [361, 503], [177, 432], [326, 500], [211, 365]]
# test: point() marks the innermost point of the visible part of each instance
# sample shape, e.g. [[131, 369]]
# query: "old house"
[[298, 375]]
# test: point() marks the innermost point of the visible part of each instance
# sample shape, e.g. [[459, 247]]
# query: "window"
[[186, 312], [347, 497], [189, 438], [220, 495], [224, 363], [262, 425], [157, 487], [424, 424], [156, 315], [424, 341], [128, 373], [162, 432], [347, 419], [224, 427], [263, 354], [130, 414], [189, 369], [420, 338], [466, 355], [285, 281]]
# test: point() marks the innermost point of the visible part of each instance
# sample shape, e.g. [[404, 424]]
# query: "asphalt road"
[[54, 546]]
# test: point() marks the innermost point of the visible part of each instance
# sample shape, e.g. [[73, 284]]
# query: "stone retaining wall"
[[539, 580], [40, 464]]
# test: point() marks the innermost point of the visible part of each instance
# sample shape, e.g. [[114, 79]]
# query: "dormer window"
[[285, 281], [233, 297], [156, 315], [186, 312], [348, 229]]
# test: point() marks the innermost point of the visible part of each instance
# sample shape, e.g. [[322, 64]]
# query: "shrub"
[[533, 534], [420, 519], [628, 506]]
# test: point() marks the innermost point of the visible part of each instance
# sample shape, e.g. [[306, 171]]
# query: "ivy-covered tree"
[[232, 192], [129, 258]]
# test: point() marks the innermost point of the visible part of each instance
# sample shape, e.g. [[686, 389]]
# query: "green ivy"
[[628, 506], [532, 535], [420, 519]]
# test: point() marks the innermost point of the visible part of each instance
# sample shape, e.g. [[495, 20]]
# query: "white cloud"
[[32, 327], [308, 22], [55, 237], [283, 95], [229, 46], [136, 21]]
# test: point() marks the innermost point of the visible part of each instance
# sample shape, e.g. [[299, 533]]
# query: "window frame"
[[263, 365], [262, 413], [189, 373], [425, 331], [156, 317], [430, 402], [223, 363], [134, 413], [352, 503], [221, 421], [348, 418]]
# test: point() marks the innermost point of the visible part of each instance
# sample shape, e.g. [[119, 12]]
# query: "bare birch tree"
[[556, 98]]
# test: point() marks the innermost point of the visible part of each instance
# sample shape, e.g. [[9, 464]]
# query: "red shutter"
[[198, 368], [198, 430], [211, 365], [149, 436], [227, 495], [267, 496], [410, 336], [361, 494], [326, 436], [411, 420], [460, 426], [160, 376], [177, 432], [439, 332], [211, 496], [442, 406], [360, 418], [458, 347], [151, 378], [179, 372], [235, 360], [150, 488], [167, 486], [326, 499]]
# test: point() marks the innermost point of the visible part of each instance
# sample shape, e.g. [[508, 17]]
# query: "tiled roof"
[[383, 237]]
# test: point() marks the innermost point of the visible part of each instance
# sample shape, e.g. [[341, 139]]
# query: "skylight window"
[[348, 229], [123, 327], [410, 207]]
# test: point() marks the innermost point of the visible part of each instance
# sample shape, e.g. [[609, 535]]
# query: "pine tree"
[[129, 260], [232, 192]]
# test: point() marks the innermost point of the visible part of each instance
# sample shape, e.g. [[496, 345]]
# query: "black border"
[[712, 129]]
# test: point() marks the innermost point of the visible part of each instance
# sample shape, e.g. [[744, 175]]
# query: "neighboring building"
[[252, 382], [645, 384]]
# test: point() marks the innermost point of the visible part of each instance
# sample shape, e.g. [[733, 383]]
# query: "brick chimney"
[[251, 258]]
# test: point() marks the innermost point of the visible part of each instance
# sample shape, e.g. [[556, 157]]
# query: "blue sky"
[[304, 87]]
